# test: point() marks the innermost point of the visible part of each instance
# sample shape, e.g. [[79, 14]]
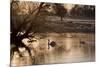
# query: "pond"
[[70, 47]]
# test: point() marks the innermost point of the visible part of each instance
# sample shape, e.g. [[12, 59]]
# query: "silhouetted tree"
[[60, 10], [16, 39]]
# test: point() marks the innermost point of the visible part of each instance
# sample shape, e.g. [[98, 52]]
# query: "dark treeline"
[[83, 10], [77, 10]]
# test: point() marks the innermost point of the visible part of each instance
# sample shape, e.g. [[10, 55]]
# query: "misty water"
[[70, 47]]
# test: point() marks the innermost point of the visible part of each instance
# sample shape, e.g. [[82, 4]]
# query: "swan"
[[51, 44]]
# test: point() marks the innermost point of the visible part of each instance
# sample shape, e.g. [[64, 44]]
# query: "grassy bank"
[[68, 26]]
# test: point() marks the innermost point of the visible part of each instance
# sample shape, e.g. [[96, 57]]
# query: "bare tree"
[[15, 38]]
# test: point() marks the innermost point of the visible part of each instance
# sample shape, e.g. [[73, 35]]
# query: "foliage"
[[83, 10], [60, 10]]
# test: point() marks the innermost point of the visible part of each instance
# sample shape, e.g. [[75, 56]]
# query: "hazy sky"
[[69, 6]]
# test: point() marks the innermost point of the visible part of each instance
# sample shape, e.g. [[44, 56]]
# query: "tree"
[[89, 10], [29, 19], [60, 10], [83, 10]]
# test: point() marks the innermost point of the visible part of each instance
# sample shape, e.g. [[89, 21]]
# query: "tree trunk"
[[61, 18]]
